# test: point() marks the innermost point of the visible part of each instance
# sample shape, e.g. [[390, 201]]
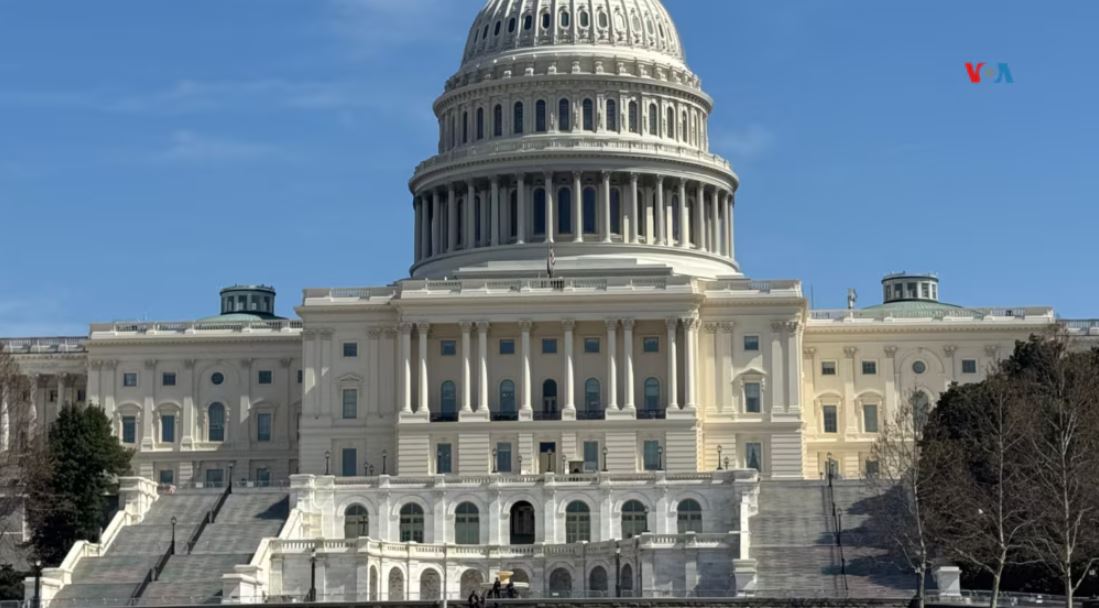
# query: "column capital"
[[778, 326], [612, 324], [466, 326], [605, 175], [711, 328], [992, 350], [850, 351], [150, 364], [690, 323], [634, 177], [672, 323], [450, 190], [548, 175], [526, 325], [659, 180], [374, 332], [890, 351], [405, 327], [520, 177], [628, 324], [568, 324], [423, 327], [809, 351], [950, 349], [482, 326], [577, 174], [793, 326], [390, 332], [246, 363], [728, 326], [189, 363], [286, 363]]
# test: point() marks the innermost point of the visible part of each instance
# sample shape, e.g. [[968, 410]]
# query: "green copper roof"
[[239, 317], [919, 309]]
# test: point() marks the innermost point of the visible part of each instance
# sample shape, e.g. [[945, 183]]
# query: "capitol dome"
[[509, 26], [573, 130]]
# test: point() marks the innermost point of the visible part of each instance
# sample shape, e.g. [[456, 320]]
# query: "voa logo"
[[999, 73]]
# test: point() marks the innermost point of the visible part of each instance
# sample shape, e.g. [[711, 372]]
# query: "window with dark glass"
[[350, 403], [652, 456], [869, 368], [589, 211], [828, 368], [263, 426], [539, 211], [412, 524], [831, 419], [589, 115], [507, 397], [129, 379], [564, 211], [564, 115], [349, 462], [612, 115], [635, 519], [467, 524], [635, 119], [498, 121], [517, 118], [449, 348], [969, 366], [650, 344], [167, 428], [751, 343], [870, 418], [549, 346], [503, 457], [168, 379], [216, 424], [540, 116], [507, 347], [577, 522], [448, 398], [265, 377], [591, 345], [443, 463], [480, 130], [752, 397], [689, 517], [350, 349]]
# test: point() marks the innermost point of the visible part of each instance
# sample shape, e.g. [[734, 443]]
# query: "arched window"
[[564, 115], [540, 116], [591, 395], [528, 22], [549, 397], [589, 115], [585, 20], [476, 223], [522, 523], [671, 123], [602, 20], [652, 394], [612, 115], [626, 579], [430, 587], [689, 517], [467, 524], [517, 119], [498, 121], [480, 123], [654, 120], [448, 398], [635, 519], [396, 585], [564, 211], [635, 119], [684, 129], [577, 522], [539, 211], [545, 21], [465, 127], [565, 19], [412, 523], [496, 30], [511, 25], [589, 211], [513, 216], [560, 584], [216, 423], [507, 397], [356, 522], [616, 211], [597, 582]]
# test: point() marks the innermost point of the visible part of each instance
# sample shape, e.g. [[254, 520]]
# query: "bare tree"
[[1062, 391], [977, 442], [901, 484], [14, 417]]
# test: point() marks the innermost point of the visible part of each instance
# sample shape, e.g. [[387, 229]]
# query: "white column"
[[730, 241], [521, 204], [660, 235], [452, 220], [570, 376], [417, 207], [551, 218], [5, 420], [673, 371], [725, 369], [634, 215], [62, 390], [690, 372], [699, 232], [422, 329], [684, 217], [406, 368], [612, 364], [466, 388], [33, 409], [482, 367], [715, 222], [577, 208], [471, 217], [627, 350], [436, 224], [494, 214], [605, 205], [524, 391]]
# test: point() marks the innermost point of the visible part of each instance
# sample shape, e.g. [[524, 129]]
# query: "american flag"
[[551, 261]]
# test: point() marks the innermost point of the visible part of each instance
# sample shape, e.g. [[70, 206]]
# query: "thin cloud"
[[746, 144], [373, 26], [191, 147]]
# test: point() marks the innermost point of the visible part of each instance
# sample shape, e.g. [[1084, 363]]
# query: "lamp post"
[[37, 583], [173, 548], [494, 467], [660, 458], [604, 459], [719, 458], [366, 468], [519, 457], [312, 597], [617, 570], [385, 456], [230, 478], [327, 458]]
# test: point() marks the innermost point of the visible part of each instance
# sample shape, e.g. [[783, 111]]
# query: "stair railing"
[[211, 517], [837, 524]]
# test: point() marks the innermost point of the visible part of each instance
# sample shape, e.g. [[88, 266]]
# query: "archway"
[[560, 584], [373, 584], [522, 524], [689, 517], [597, 582], [471, 581], [635, 519], [430, 586], [356, 522], [626, 580], [549, 398], [396, 585]]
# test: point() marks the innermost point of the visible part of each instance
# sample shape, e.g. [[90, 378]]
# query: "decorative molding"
[[568, 324], [375, 332], [711, 328], [809, 351], [850, 351], [890, 351], [482, 326], [150, 364], [286, 363], [466, 326], [950, 349], [189, 363], [405, 327], [526, 325], [993, 351], [672, 324], [628, 324]]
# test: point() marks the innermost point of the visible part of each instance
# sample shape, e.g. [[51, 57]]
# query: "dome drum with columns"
[[586, 133]]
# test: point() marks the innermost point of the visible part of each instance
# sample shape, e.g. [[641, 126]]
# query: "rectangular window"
[[507, 347], [349, 462], [166, 477], [873, 469], [751, 343], [549, 346], [215, 478], [753, 456], [591, 345], [869, 368], [80, 396], [129, 429], [129, 379], [265, 377], [969, 366], [449, 348], [263, 426], [503, 457], [752, 398], [653, 456], [167, 429], [650, 344], [870, 418], [828, 368], [443, 463], [591, 456], [301, 375], [350, 349], [168, 379], [263, 477], [350, 404], [831, 420]]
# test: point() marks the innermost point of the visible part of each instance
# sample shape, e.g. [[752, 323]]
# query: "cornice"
[[930, 327], [554, 83]]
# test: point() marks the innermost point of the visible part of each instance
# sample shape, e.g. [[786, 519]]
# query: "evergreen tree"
[[79, 465]]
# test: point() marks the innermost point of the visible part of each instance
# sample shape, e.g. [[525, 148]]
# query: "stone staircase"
[[247, 517], [111, 579], [793, 543]]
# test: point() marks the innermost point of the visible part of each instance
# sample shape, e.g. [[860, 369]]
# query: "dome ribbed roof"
[[505, 26]]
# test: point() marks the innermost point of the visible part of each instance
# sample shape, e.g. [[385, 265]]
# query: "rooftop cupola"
[[906, 287], [253, 300]]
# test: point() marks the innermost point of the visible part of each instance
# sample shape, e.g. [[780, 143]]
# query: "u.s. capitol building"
[[578, 383]]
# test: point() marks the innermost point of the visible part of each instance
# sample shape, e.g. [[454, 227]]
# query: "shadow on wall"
[[868, 547]]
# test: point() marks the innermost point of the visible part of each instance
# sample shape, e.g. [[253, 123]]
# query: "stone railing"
[[571, 143], [44, 345], [159, 328], [750, 286], [549, 479], [1023, 313], [1084, 327]]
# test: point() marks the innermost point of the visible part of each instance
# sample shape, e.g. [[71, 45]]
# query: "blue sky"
[[153, 152]]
